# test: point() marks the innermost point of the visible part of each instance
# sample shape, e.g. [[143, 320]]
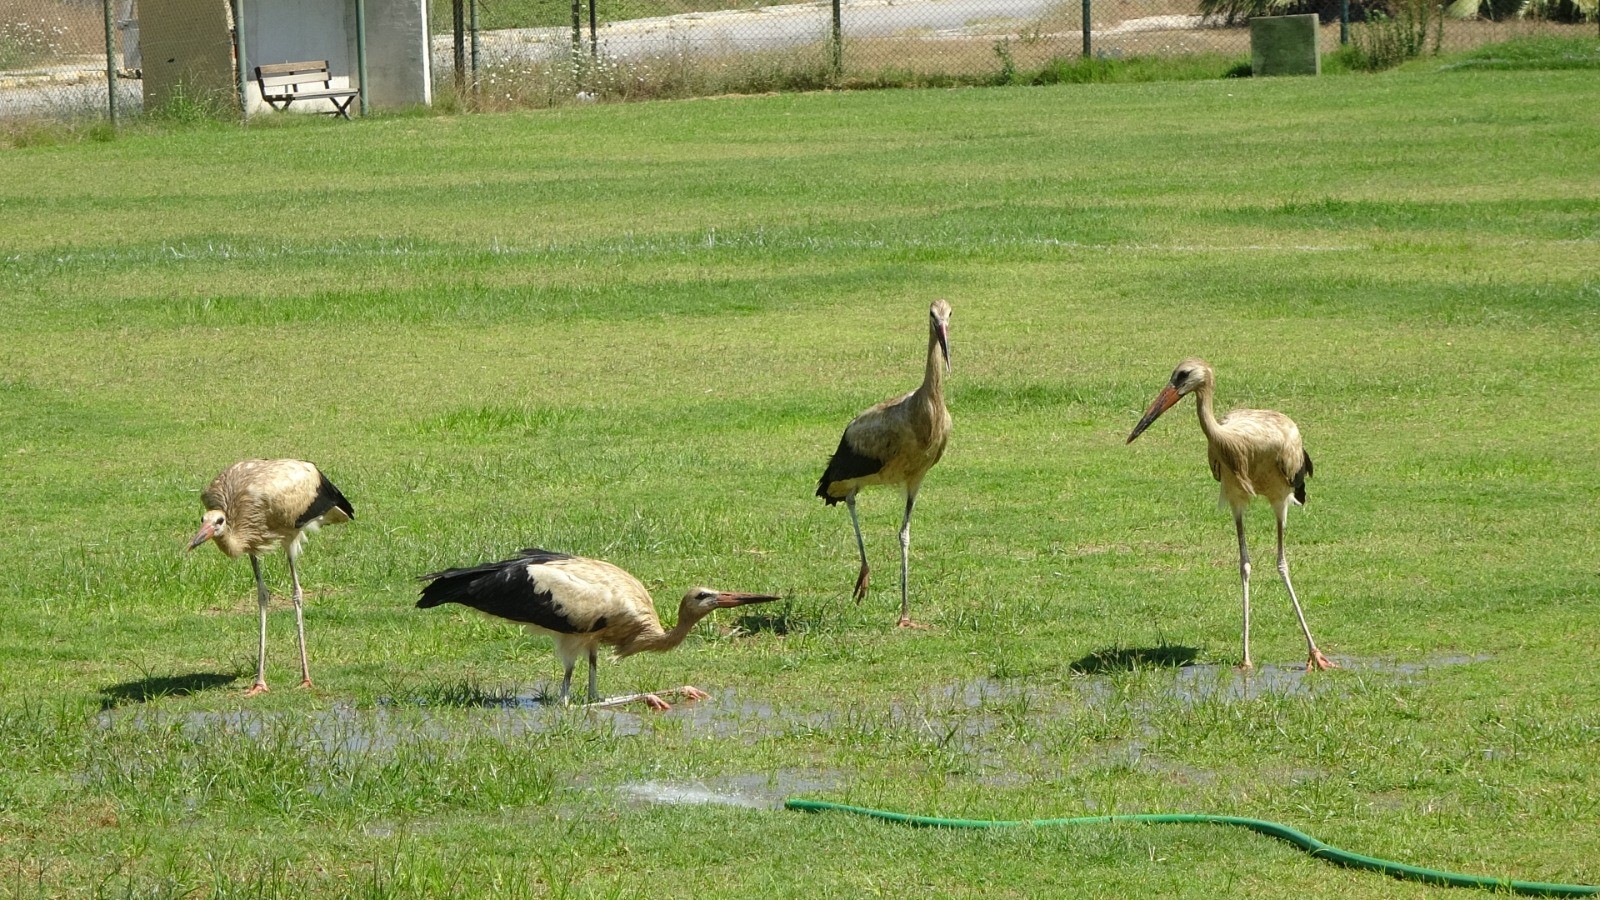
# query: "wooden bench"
[[290, 81]]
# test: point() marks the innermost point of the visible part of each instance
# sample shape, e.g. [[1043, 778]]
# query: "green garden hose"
[[1271, 829]]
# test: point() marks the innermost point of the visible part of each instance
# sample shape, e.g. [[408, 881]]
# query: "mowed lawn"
[[635, 333]]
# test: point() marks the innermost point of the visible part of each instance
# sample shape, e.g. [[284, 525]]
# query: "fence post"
[[458, 32], [594, 40], [472, 5], [577, 25], [361, 53], [1087, 29], [838, 40], [1344, 22], [241, 60], [111, 68]]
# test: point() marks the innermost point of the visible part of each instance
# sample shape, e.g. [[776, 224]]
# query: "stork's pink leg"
[[260, 687], [1315, 659], [861, 546], [299, 620]]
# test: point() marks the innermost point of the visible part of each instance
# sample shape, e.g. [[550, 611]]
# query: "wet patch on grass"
[[755, 791]]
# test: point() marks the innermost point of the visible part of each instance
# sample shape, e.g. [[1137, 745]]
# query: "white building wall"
[[398, 65]]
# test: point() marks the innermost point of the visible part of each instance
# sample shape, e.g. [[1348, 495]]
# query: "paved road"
[[796, 24], [71, 90]]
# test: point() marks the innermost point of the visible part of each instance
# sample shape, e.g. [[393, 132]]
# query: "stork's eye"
[[1181, 377]]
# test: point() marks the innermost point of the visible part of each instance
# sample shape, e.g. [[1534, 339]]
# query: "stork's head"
[[1186, 379], [939, 326], [700, 602], [212, 525]]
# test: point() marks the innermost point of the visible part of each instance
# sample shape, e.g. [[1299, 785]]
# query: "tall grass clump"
[[1139, 69], [1386, 40]]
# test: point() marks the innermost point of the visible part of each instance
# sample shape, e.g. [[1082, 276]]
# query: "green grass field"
[[635, 332]]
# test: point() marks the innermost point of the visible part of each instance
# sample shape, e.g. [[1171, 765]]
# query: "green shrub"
[[1384, 41]]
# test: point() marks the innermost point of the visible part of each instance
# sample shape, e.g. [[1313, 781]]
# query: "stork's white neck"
[[658, 640], [933, 372], [1203, 404]]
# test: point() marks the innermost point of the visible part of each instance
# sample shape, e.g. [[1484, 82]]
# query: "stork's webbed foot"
[[861, 584], [688, 692], [654, 701], [905, 622], [259, 687], [1318, 661]]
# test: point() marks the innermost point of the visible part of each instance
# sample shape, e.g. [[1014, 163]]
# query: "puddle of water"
[[964, 712], [1209, 682]]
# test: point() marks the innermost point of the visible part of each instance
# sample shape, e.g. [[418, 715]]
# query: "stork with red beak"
[[895, 442], [582, 603], [255, 506], [1253, 452]]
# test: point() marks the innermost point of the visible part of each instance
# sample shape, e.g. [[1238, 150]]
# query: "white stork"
[[895, 442], [1253, 452], [258, 504], [582, 603]]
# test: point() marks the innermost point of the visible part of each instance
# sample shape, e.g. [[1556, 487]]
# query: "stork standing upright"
[[582, 603], [258, 504], [895, 442], [1253, 452]]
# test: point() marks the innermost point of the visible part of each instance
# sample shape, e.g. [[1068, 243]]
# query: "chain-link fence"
[[498, 53], [516, 52], [54, 58]]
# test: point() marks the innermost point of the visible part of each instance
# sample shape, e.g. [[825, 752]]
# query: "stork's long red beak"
[[733, 598], [944, 343], [204, 534], [1163, 402]]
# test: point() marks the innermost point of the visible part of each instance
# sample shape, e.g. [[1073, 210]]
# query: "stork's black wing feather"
[[539, 555], [1300, 478], [502, 589], [328, 497], [846, 463]]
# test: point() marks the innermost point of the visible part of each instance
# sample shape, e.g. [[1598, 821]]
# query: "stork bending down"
[[895, 442], [258, 504], [1252, 452], [582, 603]]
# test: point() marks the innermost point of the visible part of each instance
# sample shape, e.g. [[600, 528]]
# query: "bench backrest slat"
[[293, 75]]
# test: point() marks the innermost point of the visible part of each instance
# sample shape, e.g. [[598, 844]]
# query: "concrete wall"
[[398, 72], [398, 62], [277, 31], [186, 45], [1284, 45]]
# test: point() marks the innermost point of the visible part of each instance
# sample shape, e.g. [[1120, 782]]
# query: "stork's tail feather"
[[333, 493], [470, 585], [328, 506], [455, 585], [1300, 479]]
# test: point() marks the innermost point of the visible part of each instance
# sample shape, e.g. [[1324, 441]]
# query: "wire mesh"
[[53, 57], [547, 51]]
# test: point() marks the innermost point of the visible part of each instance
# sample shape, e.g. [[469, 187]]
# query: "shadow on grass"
[[1126, 659], [154, 687], [780, 622]]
